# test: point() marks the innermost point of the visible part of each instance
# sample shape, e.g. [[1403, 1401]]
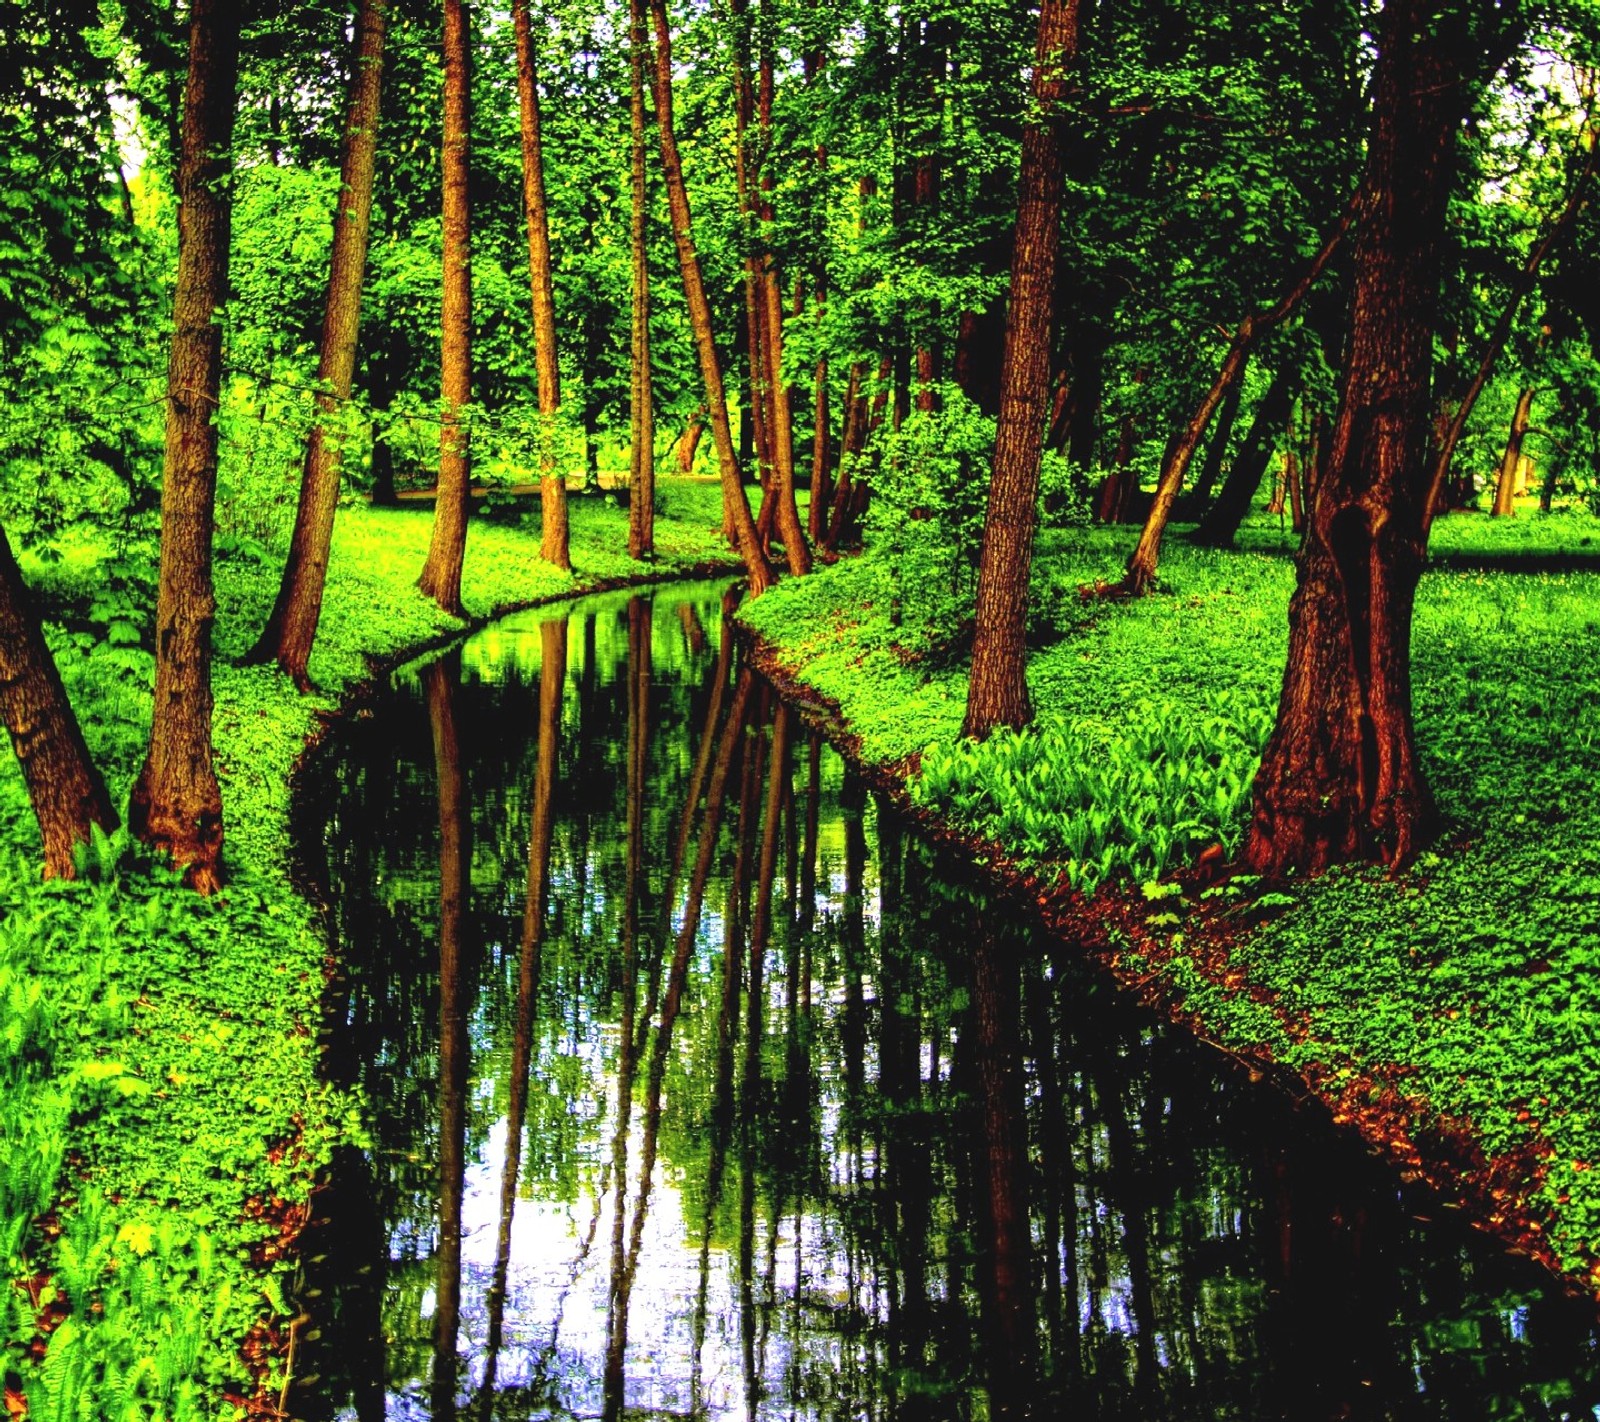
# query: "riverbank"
[[1447, 1013], [162, 1122]]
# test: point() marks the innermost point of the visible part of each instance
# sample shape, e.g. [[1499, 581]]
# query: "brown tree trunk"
[[553, 538], [292, 628], [1221, 521], [1295, 482], [1340, 777], [687, 444], [441, 574], [998, 693], [1505, 490], [735, 504], [642, 467], [1577, 200], [66, 790], [1142, 564], [787, 515], [176, 803]]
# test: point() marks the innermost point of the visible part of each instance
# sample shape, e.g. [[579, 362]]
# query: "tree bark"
[[66, 790], [998, 693], [1147, 553], [176, 803], [757, 568], [291, 630], [553, 538], [1221, 522], [1340, 777], [441, 574], [642, 467], [1505, 490]]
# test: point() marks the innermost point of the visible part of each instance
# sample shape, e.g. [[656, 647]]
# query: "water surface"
[[608, 914]]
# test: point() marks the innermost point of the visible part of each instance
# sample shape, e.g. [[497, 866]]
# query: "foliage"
[[160, 1103]]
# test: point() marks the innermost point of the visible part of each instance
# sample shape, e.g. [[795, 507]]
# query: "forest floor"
[[1450, 1013], [162, 1122]]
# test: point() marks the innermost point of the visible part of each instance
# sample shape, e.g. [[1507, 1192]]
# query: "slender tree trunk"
[[1340, 777], [1505, 490], [66, 790], [998, 694], [176, 803], [1577, 200], [553, 540], [735, 504], [1146, 555], [687, 444], [1221, 522], [441, 574], [642, 470], [1294, 481], [292, 628], [1216, 455]]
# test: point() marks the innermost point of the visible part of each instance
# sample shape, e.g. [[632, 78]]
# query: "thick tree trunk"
[[1505, 489], [176, 803], [736, 506], [688, 443], [998, 693], [553, 540], [66, 790], [441, 574], [642, 467], [292, 628], [1221, 522], [1340, 777]]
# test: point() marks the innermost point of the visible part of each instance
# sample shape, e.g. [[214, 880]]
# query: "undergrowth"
[[161, 1119]]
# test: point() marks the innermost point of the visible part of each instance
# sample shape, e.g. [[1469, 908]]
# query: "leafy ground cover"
[[161, 1119], [1454, 1010]]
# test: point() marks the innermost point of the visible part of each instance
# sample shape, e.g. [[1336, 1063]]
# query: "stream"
[[699, 1087]]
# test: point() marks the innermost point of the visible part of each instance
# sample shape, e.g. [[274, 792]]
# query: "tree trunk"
[[441, 574], [1340, 777], [687, 443], [998, 693], [1505, 491], [292, 628], [553, 539], [67, 792], [1221, 522], [642, 468], [1216, 455], [734, 502], [176, 803], [1577, 200], [1142, 565]]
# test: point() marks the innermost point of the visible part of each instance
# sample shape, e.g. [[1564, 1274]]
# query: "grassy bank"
[[161, 1120], [1452, 1011]]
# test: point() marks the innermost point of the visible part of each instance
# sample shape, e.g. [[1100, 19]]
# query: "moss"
[[163, 1123]]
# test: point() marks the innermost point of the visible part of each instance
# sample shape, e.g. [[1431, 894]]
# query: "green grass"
[[161, 1118], [1474, 979]]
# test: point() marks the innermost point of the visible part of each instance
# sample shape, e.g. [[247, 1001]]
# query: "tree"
[[66, 790], [553, 541], [735, 506], [1340, 777], [292, 627], [441, 574], [642, 470], [998, 693], [176, 803]]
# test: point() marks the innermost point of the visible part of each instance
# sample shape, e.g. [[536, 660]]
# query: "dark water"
[[910, 1159]]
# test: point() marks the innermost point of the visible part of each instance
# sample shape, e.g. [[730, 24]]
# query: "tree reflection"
[[861, 1141]]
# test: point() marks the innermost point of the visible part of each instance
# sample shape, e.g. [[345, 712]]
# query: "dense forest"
[[1160, 442]]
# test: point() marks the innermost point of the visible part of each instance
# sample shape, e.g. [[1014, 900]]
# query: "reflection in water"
[[700, 1088]]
